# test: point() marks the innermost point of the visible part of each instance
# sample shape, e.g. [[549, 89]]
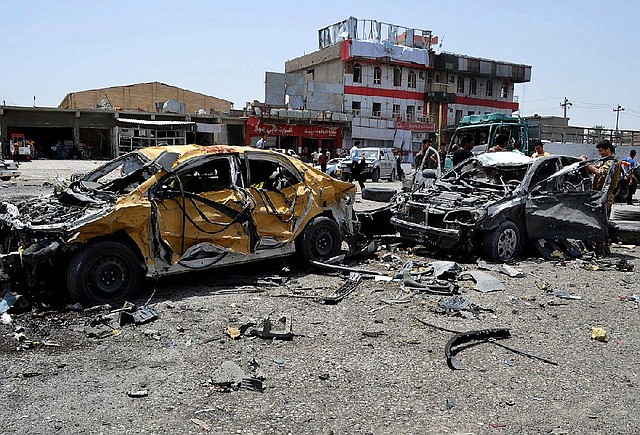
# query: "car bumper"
[[444, 237]]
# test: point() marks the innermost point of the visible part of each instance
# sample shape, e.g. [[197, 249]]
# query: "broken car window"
[[270, 175]]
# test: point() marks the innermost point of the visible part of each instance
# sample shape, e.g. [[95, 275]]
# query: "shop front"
[[304, 139]]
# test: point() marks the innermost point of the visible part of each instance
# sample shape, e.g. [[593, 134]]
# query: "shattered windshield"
[[120, 175]]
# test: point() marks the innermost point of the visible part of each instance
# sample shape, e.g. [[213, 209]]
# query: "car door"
[[563, 205], [282, 199], [200, 215]]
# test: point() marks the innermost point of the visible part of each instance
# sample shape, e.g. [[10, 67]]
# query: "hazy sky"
[[583, 50]]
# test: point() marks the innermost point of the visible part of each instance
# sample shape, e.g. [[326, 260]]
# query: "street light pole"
[[618, 110]]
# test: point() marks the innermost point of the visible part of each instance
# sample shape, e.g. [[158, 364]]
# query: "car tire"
[[625, 212], [320, 240], [502, 243], [104, 272], [379, 194], [627, 232], [375, 175]]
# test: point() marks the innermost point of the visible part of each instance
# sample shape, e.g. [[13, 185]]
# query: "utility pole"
[[618, 110], [564, 105]]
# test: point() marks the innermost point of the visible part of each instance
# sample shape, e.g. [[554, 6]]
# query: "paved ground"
[[365, 365]]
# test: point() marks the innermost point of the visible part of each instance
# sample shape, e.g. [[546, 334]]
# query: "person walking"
[[262, 142]]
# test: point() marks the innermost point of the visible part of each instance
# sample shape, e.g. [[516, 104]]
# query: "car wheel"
[[375, 175], [104, 273], [625, 212], [320, 240], [379, 194], [503, 243]]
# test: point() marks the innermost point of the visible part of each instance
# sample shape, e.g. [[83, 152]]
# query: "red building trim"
[[467, 101], [379, 92]]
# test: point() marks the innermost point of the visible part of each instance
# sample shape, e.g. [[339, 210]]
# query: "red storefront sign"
[[416, 126], [257, 128]]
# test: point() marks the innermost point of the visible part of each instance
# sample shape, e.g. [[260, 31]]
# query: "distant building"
[[146, 97], [389, 79]]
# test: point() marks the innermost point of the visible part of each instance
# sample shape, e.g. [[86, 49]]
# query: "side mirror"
[[430, 173]]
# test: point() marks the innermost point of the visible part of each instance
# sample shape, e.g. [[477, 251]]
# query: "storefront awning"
[[150, 123]]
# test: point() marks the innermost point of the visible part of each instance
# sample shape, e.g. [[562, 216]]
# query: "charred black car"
[[493, 203]]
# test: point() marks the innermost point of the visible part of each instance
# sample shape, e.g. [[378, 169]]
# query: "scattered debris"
[[373, 334], [465, 337], [502, 268], [280, 330], [345, 289], [8, 300], [458, 305], [485, 283], [567, 295], [204, 426], [434, 286], [138, 316], [599, 334], [138, 393], [230, 377]]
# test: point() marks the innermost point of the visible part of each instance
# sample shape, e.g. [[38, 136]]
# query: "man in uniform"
[[600, 170]]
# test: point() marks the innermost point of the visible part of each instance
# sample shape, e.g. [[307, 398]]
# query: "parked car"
[[333, 167], [171, 209], [8, 170], [493, 203], [380, 164]]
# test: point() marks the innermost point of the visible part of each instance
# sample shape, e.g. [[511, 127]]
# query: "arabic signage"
[[416, 126], [316, 131]]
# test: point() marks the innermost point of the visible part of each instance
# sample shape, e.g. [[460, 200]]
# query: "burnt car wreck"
[[165, 210], [494, 203]]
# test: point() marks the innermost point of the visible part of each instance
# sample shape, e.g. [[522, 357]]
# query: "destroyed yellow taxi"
[[169, 209]]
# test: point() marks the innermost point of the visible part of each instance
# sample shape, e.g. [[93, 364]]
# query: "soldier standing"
[[600, 170]]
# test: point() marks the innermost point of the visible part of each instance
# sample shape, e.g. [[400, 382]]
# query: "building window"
[[504, 91], [473, 87], [458, 116], [311, 74], [471, 112], [397, 76], [377, 75], [452, 78], [396, 111], [411, 113], [412, 79], [461, 85], [489, 89], [437, 79], [355, 107], [377, 109], [357, 73]]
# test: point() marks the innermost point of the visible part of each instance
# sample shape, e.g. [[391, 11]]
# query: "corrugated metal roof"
[[153, 122]]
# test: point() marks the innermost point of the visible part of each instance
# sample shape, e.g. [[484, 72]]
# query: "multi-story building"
[[474, 85], [397, 89]]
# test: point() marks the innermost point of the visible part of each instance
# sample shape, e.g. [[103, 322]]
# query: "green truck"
[[484, 129]]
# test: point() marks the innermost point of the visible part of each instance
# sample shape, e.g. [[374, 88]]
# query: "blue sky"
[[583, 50]]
